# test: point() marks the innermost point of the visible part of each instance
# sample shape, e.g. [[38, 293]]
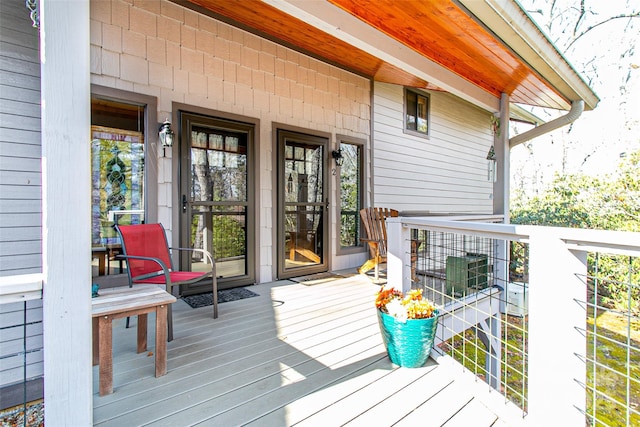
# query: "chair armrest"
[[206, 253], [375, 245], [158, 261], [371, 241]]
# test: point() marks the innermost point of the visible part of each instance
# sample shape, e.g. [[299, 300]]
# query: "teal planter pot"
[[408, 344]]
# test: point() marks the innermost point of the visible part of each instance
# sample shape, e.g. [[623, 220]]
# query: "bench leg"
[[95, 340], [106, 355], [161, 340], [142, 332]]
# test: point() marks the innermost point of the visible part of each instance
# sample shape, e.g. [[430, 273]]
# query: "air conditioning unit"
[[517, 301], [466, 274]]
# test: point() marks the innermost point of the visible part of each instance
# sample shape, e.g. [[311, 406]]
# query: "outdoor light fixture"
[[337, 156], [165, 134], [290, 184], [491, 158], [34, 14]]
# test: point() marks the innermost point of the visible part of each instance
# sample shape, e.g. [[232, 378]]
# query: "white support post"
[[557, 292], [490, 333], [66, 182], [398, 254], [503, 155]]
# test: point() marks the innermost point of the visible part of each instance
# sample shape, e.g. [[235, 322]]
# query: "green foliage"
[[229, 241], [611, 202], [608, 362]]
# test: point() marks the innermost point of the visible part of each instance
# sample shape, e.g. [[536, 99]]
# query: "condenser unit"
[[466, 274]]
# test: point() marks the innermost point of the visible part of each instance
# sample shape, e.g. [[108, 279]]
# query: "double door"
[[217, 212]]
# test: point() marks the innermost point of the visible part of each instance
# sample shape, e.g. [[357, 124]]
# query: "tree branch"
[[580, 17], [624, 15]]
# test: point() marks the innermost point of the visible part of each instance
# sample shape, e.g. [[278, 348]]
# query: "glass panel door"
[[303, 205], [216, 201]]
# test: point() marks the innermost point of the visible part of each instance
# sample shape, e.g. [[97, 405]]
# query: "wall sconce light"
[[337, 156], [165, 134], [491, 158]]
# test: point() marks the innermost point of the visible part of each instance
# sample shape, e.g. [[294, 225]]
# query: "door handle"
[[184, 203]]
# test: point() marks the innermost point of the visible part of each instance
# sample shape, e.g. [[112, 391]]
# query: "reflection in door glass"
[[223, 232], [304, 207]]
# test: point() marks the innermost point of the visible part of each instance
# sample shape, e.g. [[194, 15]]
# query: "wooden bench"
[[124, 301]]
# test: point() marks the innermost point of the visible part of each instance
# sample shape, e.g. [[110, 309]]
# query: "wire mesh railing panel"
[[613, 340], [584, 283], [457, 271], [21, 363]]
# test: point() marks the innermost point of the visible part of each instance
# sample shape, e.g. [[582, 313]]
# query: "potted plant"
[[407, 324]]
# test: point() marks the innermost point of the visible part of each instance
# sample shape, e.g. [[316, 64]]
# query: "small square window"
[[416, 112]]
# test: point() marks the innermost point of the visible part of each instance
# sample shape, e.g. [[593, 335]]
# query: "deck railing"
[[21, 353], [525, 308]]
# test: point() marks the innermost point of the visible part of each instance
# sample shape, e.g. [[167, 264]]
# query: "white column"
[[556, 343], [65, 83]]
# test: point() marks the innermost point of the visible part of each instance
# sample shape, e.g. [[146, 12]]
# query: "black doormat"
[[224, 295]]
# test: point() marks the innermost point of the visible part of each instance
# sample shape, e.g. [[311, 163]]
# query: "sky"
[[608, 59]]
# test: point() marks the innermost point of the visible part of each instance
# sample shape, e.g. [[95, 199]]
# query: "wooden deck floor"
[[295, 355]]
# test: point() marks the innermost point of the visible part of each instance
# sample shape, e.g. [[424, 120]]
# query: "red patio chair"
[[147, 253]]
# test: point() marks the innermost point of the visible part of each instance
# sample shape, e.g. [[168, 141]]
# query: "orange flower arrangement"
[[411, 306]]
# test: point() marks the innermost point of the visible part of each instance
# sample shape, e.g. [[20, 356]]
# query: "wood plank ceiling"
[[439, 30]]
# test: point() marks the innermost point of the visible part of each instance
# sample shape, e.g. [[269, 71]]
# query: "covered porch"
[[74, 52]]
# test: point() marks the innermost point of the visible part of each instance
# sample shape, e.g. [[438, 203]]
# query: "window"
[[117, 166], [350, 194], [416, 112], [123, 168]]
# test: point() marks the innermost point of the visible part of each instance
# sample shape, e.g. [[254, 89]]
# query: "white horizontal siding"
[[25, 233], [20, 152], [445, 173], [21, 355]]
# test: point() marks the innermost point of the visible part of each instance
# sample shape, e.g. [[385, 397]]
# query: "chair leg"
[[377, 269], [368, 265], [170, 289], [169, 323], [215, 297]]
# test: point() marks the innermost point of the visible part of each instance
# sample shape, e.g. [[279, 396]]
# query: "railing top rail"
[[21, 287], [472, 224], [624, 242]]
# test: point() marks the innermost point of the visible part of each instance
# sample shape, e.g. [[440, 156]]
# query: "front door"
[[217, 213], [302, 207]]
